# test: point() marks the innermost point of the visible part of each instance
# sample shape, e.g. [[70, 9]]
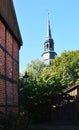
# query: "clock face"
[[46, 56]]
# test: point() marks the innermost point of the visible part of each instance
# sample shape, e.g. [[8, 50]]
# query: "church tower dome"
[[49, 53]]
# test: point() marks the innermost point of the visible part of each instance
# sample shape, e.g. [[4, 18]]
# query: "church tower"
[[49, 53]]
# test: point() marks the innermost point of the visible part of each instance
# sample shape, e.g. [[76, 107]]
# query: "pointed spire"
[[48, 28]]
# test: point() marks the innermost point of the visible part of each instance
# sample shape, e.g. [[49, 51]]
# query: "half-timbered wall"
[[9, 70]]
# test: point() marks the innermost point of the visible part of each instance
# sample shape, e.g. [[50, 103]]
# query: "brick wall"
[[9, 63], [2, 62], [2, 92], [8, 66], [9, 42], [2, 34]]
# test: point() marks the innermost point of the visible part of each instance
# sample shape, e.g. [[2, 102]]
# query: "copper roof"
[[7, 13]]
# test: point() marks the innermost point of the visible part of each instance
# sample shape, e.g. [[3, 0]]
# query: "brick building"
[[10, 42]]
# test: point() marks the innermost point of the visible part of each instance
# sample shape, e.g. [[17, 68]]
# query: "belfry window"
[[47, 45], [50, 45]]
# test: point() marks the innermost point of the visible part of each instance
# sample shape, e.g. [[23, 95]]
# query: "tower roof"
[[8, 15], [48, 29]]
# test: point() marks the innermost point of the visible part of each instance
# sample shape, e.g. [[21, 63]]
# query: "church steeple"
[[48, 29], [49, 53]]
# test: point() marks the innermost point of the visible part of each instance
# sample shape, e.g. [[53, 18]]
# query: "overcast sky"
[[32, 19]]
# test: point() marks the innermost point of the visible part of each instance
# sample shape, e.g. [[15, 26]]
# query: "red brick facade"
[[9, 70]]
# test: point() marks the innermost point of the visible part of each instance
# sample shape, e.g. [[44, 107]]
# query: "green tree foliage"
[[35, 68], [46, 83], [66, 67]]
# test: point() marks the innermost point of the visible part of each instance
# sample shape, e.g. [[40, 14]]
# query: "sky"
[[32, 19]]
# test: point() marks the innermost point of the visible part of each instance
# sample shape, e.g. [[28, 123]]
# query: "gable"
[[8, 15]]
